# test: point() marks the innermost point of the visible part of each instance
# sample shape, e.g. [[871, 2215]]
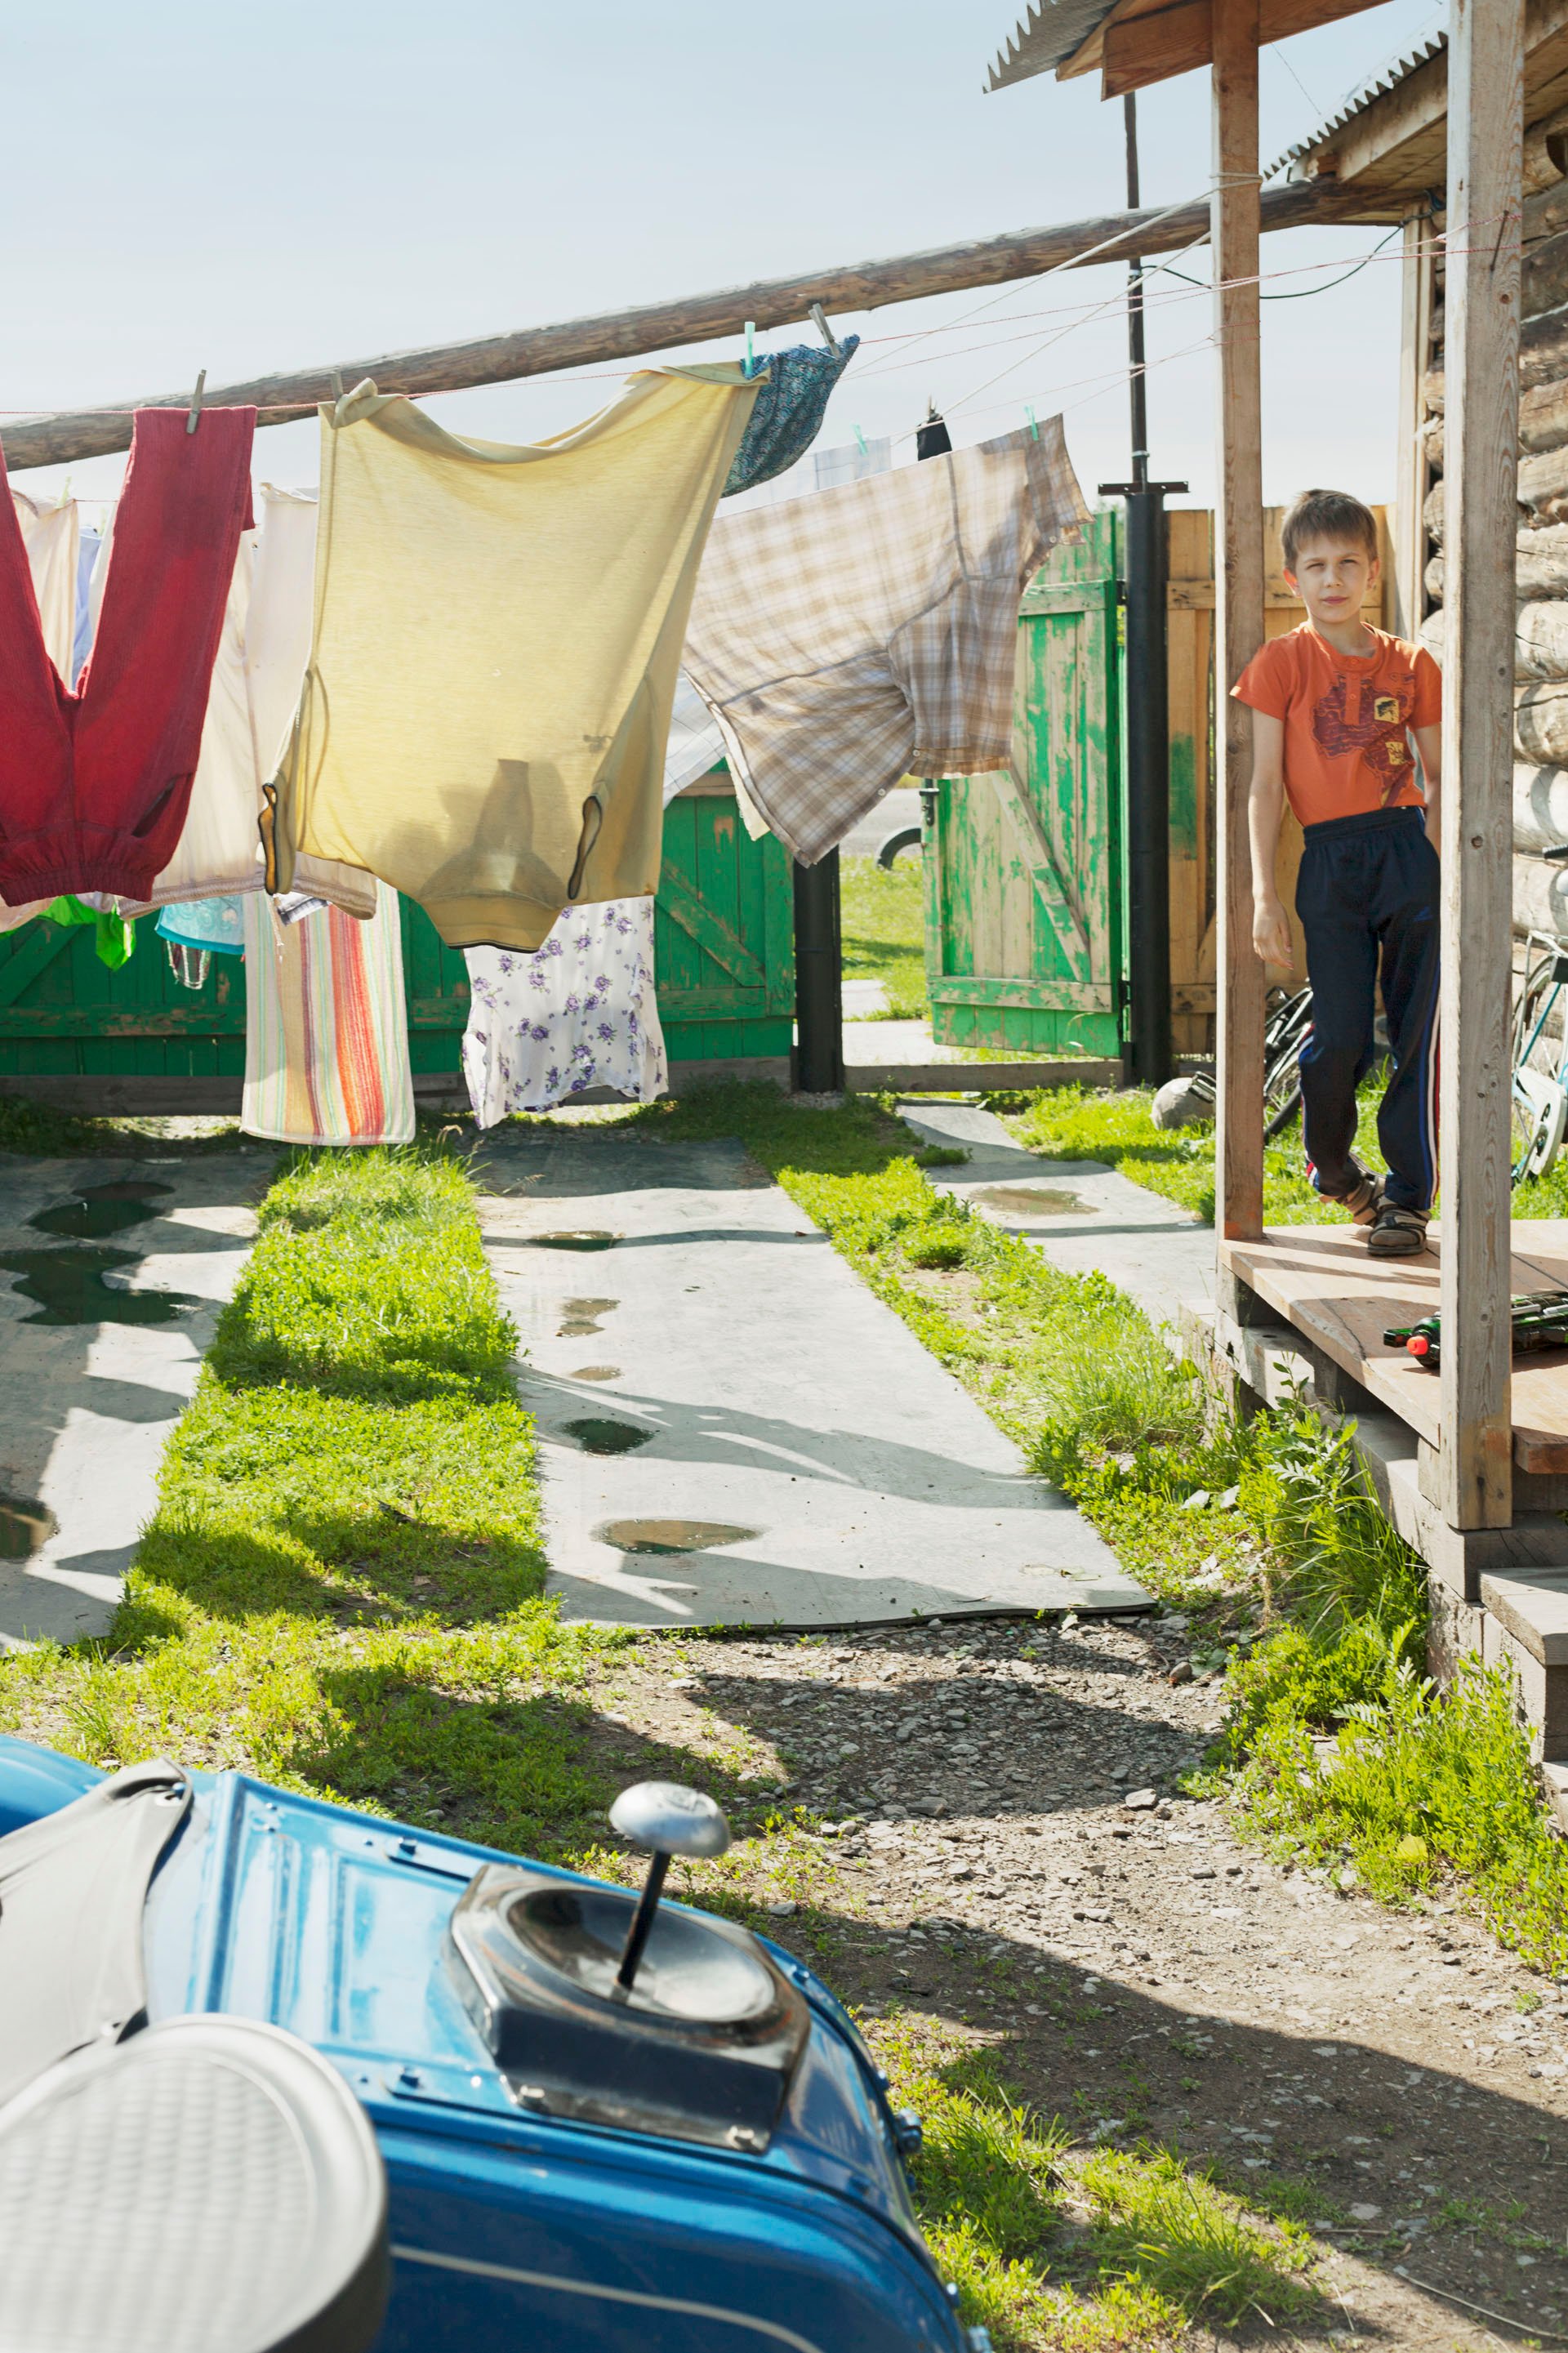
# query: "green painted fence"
[[723, 949]]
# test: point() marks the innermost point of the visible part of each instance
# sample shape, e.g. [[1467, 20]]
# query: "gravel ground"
[[990, 1835]]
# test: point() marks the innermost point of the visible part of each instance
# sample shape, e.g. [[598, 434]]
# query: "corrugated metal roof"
[[1387, 76], [1051, 31]]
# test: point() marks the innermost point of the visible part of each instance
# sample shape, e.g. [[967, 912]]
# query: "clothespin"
[[751, 355], [194, 419], [337, 386], [819, 321], [1033, 429], [861, 438]]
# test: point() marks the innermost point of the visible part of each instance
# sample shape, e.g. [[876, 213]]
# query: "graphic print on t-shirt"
[[1341, 722]]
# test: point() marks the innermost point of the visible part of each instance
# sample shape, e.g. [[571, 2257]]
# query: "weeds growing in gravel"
[[1114, 2247], [1171, 2231]]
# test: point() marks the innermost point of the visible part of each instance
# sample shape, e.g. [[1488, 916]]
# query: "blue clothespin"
[[861, 438], [1033, 429], [750, 355]]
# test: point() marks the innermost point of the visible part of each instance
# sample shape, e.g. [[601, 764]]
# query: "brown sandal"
[[1397, 1232]]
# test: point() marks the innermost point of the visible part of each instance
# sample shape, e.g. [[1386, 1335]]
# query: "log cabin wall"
[[1540, 577]]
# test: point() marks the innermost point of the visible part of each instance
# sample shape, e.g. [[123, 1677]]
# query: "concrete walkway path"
[[111, 1275], [733, 1429], [1079, 1213]]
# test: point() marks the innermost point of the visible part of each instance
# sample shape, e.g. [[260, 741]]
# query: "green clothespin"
[[751, 355], [1033, 426], [861, 438]]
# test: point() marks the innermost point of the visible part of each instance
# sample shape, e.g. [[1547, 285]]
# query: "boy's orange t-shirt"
[[1346, 717]]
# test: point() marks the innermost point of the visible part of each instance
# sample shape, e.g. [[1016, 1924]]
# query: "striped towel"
[[326, 1028]]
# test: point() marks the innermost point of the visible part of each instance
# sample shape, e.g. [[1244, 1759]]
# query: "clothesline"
[[1089, 311]]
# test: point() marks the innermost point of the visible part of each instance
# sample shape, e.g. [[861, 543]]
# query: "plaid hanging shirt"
[[845, 640]]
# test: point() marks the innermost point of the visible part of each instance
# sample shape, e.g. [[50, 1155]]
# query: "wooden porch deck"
[[1320, 1280]]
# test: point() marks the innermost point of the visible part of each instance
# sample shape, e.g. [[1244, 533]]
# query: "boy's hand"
[[1271, 932]]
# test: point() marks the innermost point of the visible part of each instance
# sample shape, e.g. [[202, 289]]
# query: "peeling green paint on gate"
[[1025, 872]]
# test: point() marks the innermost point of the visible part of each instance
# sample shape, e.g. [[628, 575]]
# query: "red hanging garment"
[[94, 785]]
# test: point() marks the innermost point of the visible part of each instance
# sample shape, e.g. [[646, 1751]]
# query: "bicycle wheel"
[[1282, 1063], [1281, 1100], [1537, 1100]]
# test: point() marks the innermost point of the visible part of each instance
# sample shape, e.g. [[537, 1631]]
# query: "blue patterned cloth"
[[211, 923], [789, 411]]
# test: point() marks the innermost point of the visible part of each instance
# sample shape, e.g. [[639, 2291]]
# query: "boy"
[[1334, 707]]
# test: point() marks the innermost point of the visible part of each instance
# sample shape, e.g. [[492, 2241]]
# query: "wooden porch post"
[[1238, 616], [1486, 106], [1414, 476]]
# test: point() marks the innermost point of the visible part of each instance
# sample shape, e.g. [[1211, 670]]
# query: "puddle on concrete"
[[583, 1316], [581, 1238], [99, 1210], [24, 1527], [669, 1535], [1032, 1202], [596, 1373], [596, 1436], [69, 1286]]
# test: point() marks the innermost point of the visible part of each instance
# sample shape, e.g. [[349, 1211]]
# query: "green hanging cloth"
[[116, 937]]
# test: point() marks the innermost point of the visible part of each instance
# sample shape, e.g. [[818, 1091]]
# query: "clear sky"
[[255, 188]]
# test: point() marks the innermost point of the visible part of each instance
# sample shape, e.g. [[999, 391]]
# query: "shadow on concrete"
[[83, 1429], [728, 1434]]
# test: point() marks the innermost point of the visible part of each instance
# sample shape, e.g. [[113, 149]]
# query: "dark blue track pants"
[[1367, 897]]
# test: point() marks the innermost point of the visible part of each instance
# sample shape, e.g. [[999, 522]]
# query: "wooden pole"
[[1238, 615], [1414, 475], [667, 326], [1486, 112]]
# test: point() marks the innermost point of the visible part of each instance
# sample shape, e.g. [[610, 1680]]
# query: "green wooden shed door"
[[1023, 866]]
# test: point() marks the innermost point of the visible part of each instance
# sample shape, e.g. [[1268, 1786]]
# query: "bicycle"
[[1538, 1079]]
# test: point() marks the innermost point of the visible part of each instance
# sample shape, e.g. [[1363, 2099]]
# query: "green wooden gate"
[[1025, 884], [723, 950]]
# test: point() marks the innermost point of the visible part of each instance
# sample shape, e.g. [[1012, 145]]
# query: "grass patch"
[[340, 1589], [1099, 1123], [884, 932], [1083, 2248], [1179, 2238], [1096, 1124]]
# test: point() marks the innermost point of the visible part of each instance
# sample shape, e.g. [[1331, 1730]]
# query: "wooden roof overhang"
[[1392, 148], [1133, 43]]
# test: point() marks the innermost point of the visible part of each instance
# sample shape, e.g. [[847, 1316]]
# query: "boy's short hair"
[[1328, 514]]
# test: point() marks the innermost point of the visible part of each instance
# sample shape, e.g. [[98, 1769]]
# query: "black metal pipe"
[[1137, 374], [818, 979], [1148, 791]]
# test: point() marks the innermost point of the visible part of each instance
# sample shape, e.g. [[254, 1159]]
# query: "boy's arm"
[[1429, 743], [1270, 931]]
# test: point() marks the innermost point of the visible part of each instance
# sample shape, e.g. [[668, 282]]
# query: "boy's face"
[[1334, 578]]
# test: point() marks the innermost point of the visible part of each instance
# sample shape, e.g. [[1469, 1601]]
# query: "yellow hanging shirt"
[[497, 636]]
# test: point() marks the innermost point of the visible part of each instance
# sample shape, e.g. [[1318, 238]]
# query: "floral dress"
[[579, 1013]]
